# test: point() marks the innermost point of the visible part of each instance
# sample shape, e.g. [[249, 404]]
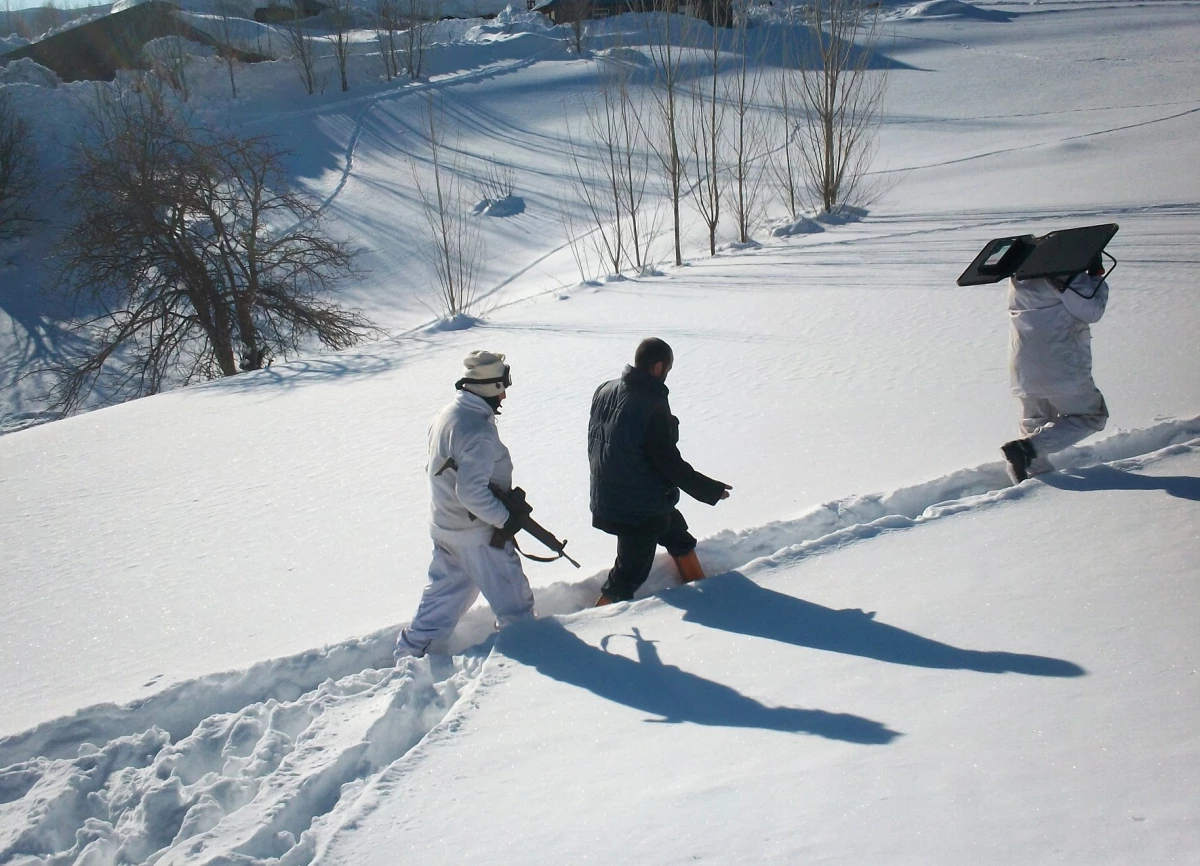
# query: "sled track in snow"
[[1040, 144], [416, 89], [252, 766]]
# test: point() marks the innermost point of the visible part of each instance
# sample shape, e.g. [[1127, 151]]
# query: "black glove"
[[518, 510]]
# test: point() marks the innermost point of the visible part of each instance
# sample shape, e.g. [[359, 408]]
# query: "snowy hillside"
[[900, 659]]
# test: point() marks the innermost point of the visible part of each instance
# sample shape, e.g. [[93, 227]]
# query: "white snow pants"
[[458, 573], [1055, 423]]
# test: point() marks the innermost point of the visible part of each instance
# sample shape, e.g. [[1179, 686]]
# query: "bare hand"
[[725, 492]]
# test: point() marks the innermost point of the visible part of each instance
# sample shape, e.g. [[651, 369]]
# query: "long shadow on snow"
[[732, 602], [666, 690], [38, 338], [1111, 478]]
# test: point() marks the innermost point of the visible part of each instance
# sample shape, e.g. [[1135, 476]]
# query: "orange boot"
[[689, 567]]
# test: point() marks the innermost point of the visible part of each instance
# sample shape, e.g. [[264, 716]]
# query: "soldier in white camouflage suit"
[[1050, 361], [465, 456]]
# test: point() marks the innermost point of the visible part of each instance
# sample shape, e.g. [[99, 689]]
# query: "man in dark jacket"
[[637, 473]]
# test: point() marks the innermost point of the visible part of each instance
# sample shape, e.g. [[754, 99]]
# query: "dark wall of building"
[[96, 50], [281, 13]]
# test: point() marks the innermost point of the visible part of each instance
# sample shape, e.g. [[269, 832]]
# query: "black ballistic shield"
[[1057, 254]]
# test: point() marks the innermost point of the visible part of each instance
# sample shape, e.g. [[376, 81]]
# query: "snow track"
[[264, 765], [244, 786], [837, 523], [859, 517]]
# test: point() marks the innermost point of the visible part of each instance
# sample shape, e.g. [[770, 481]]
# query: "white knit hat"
[[486, 374]]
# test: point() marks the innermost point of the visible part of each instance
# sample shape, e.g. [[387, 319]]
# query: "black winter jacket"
[[636, 468]]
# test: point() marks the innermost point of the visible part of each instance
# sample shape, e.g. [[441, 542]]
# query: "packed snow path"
[[270, 764]]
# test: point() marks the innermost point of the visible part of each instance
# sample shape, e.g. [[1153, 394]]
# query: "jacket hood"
[[475, 403]]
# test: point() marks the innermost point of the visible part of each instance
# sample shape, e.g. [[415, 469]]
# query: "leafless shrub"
[[457, 248], [581, 252], [497, 182]]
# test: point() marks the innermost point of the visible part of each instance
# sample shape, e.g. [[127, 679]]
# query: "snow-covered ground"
[[901, 659]]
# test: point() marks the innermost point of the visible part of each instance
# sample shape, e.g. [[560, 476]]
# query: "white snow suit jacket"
[[1050, 343], [460, 502]]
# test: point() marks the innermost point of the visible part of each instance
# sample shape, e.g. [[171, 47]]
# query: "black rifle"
[[514, 501]]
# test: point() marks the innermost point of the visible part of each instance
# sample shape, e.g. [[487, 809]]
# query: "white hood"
[[1050, 346]]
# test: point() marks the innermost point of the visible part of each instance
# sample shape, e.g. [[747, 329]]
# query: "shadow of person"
[[672, 694], [1111, 478], [733, 602]]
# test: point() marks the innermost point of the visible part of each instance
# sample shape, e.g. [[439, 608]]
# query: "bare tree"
[[45, 18], [576, 14], [457, 248], [18, 170], [576, 243], [388, 23], [843, 100], [227, 32], [634, 161], [665, 36], [611, 166], [302, 46], [597, 183], [16, 22], [747, 132], [167, 57], [416, 38], [178, 261], [786, 163], [12, 23], [705, 141], [340, 14]]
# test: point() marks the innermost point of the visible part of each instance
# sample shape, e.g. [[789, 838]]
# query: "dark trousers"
[[636, 546]]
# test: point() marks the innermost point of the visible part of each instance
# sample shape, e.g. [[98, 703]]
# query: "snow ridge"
[[264, 764], [840, 522]]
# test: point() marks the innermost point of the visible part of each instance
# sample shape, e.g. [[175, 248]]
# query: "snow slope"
[[200, 589], [865, 705], [816, 704]]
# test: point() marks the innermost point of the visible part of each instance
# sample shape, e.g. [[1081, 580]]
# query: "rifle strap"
[[530, 556]]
